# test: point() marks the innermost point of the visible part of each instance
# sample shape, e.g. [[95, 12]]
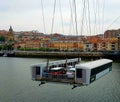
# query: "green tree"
[[1, 46], [8, 47], [2, 39]]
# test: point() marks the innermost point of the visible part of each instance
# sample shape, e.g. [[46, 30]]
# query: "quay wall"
[[83, 55], [38, 54]]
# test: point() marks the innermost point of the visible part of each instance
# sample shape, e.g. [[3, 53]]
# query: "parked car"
[[70, 72], [57, 71], [68, 67]]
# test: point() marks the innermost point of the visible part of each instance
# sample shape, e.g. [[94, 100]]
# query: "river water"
[[16, 85]]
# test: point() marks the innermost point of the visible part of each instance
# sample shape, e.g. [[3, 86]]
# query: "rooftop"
[[93, 64]]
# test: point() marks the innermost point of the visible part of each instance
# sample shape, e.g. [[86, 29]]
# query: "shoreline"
[[83, 55]]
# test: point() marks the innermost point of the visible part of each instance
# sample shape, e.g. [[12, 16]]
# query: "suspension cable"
[[71, 18], [98, 9], [75, 16], [103, 15], [113, 22], [53, 16], [89, 18], [61, 17], [86, 21], [43, 16], [95, 17], [83, 15]]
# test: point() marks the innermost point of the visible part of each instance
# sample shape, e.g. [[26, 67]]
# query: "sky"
[[92, 16]]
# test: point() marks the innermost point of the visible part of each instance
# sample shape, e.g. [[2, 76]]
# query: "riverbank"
[[83, 55], [56, 54]]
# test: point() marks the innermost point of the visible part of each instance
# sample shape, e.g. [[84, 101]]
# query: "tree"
[[2, 39], [8, 47]]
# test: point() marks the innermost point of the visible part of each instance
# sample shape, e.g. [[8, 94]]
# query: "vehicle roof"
[[56, 68], [71, 69], [93, 64], [55, 62]]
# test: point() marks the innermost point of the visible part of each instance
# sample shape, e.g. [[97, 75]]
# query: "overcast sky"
[[26, 15]]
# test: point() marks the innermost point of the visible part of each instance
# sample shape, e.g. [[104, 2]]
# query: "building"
[[63, 45], [108, 44], [119, 42], [111, 33], [91, 43], [10, 35]]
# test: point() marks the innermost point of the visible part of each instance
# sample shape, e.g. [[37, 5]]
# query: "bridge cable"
[[75, 11], [71, 18], [95, 17], [83, 15], [89, 20], [43, 16], [61, 16], [103, 10], [53, 16], [113, 22]]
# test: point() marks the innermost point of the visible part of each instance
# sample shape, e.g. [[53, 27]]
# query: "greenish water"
[[16, 85]]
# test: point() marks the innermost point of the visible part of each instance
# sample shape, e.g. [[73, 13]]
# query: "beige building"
[[67, 45], [108, 44], [10, 35]]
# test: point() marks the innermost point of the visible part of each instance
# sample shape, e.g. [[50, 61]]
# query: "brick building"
[[112, 33]]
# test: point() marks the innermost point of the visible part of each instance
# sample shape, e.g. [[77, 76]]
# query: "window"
[[79, 73], [100, 68], [37, 70], [87, 46]]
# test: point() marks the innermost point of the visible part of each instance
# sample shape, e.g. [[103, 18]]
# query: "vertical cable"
[[95, 18], [98, 5], [103, 15], [76, 28], [83, 16], [43, 16], [53, 16], [89, 18], [71, 18], [61, 16]]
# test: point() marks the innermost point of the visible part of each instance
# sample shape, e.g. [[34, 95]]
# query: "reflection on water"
[[16, 85]]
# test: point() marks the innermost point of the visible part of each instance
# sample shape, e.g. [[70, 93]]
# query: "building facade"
[[119, 42], [112, 33], [10, 35]]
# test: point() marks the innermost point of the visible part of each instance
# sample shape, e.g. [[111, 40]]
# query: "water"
[[16, 85]]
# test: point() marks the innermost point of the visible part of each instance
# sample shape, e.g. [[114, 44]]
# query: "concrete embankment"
[[83, 55], [38, 54]]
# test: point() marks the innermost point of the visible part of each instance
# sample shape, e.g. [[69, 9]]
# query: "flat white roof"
[[55, 62], [93, 64], [71, 69], [56, 68]]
